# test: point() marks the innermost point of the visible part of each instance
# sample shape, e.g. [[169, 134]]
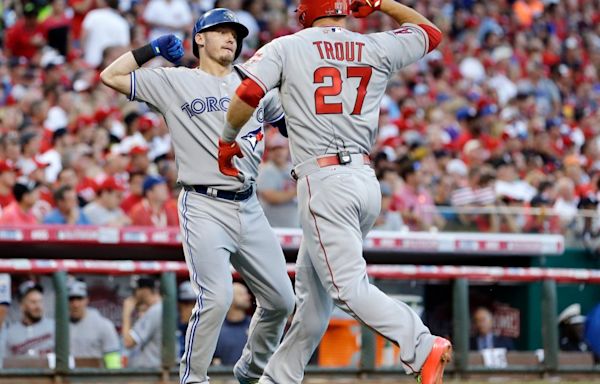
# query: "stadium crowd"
[[501, 121]]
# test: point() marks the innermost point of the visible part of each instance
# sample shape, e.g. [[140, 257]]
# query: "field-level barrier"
[[458, 276]]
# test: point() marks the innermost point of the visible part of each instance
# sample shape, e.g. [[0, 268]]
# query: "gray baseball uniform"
[[147, 333], [30, 340], [5, 299], [331, 98], [216, 231], [93, 336]]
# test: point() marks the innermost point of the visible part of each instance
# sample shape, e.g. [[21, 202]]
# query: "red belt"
[[328, 161]]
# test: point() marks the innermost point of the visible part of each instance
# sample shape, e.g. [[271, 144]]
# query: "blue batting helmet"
[[219, 17]]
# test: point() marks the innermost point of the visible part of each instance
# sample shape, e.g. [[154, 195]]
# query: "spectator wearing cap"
[[67, 210], [234, 332], [571, 329], [186, 299], [5, 301], [276, 189], [387, 220], [146, 334], [102, 28], [27, 37], [33, 334], [414, 202], [106, 210], [91, 334], [135, 193], [139, 159], [157, 209], [19, 212], [7, 182]]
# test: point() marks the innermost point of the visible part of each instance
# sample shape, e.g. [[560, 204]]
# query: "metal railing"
[[460, 278]]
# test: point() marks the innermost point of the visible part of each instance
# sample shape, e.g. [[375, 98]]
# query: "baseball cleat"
[[432, 371]]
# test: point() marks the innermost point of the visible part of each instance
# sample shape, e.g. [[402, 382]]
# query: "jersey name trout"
[[351, 51]]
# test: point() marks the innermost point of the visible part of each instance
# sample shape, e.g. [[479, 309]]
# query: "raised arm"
[[118, 74], [399, 12]]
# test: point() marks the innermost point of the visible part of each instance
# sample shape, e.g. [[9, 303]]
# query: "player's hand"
[[227, 151], [363, 8], [169, 47]]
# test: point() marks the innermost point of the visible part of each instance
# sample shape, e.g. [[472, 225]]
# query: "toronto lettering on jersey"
[[340, 51], [208, 104]]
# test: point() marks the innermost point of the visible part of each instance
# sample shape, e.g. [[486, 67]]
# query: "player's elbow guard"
[[250, 92], [434, 35]]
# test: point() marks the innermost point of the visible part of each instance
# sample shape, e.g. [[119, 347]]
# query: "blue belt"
[[227, 195]]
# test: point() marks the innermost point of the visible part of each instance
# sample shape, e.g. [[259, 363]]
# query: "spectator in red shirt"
[[19, 212], [7, 182], [136, 192], [27, 36], [81, 9], [156, 209]]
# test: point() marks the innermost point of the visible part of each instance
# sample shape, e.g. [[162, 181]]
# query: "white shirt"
[[53, 158], [103, 28], [174, 13]]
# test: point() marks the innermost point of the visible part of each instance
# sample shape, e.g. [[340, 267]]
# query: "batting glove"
[[227, 151], [363, 8], [169, 47]]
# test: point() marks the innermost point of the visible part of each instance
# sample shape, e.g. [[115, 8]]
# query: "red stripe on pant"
[[333, 280]]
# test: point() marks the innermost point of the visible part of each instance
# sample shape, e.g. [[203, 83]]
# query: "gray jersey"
[[93, 336], [147, 333], [194, 104], [30, 340], [283, 215], [5, 299], [332, 81]]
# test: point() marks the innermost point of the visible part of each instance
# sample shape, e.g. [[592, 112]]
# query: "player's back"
[[332, 84]]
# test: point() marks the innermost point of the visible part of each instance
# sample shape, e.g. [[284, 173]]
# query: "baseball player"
[[220, 217], [91, 334], [144, 337], [5, 300], [331, 82], [33, 334]]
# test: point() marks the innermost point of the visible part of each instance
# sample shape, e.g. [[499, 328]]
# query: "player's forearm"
[[128, 341], [403, 14], [238, 114], [117, 74]]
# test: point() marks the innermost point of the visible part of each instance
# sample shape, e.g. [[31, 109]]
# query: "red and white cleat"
[[432, 371]]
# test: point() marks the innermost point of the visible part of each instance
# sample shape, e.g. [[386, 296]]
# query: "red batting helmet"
[[311, 10]]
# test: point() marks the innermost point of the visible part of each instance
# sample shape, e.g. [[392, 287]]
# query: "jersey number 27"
[[323, 73]]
